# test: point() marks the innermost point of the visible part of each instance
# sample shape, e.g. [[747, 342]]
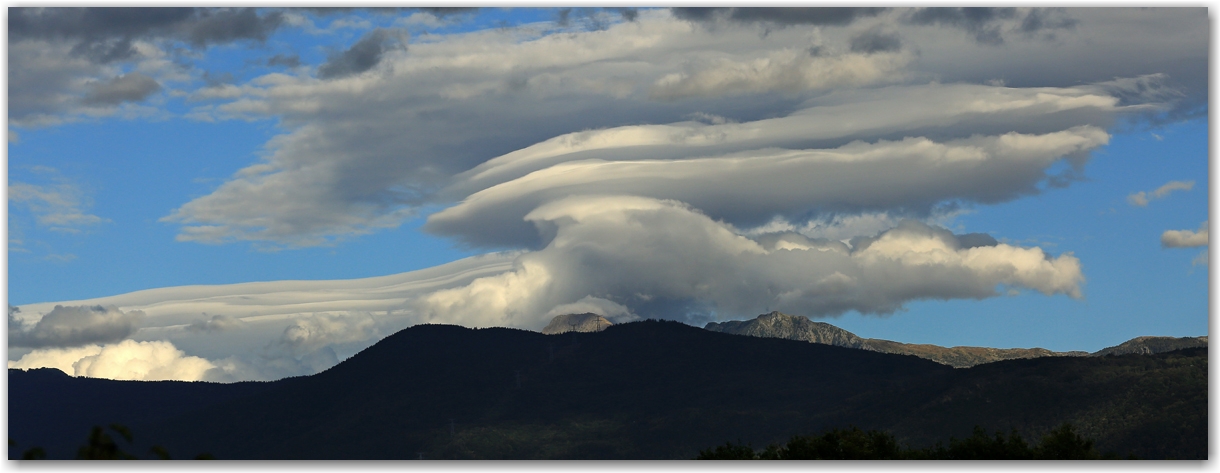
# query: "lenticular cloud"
[[663, 258]]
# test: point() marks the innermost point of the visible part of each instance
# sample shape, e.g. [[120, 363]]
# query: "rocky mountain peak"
[[587, 322]]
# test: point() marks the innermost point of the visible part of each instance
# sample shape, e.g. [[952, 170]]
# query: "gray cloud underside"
[[72, 326], [363, 55], [105, 34], [132, 87]]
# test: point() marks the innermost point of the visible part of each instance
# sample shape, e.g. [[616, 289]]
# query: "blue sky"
[[693, 165]]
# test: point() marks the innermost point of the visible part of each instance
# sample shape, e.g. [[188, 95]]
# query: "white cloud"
[[663, 259], [616, 313], [1141, 198], [310, 333], [1185, 238], [129, 359], [750, 188]]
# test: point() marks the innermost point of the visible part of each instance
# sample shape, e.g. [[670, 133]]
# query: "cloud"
[[750, 188], [1185, 238], [822, 16], [128, 360], [369, 151], [132, 87], [218, 323], [289, 61], [308, 334], [616, 313], [1200, 259], [661, 258], [363, 55], [59, 207], [875, 40], [1141, 198], [105, 34], [987, 24], [72, 326], [787, 70]]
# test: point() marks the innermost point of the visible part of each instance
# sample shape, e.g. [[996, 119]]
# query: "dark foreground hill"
[[659, 390]]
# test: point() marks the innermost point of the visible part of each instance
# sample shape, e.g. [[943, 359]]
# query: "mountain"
[[780, 325], [587, 322], [641, 390], [1150, 345], [50, 409]]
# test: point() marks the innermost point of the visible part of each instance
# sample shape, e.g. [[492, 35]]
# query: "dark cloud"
[[363, 55], [986, 24], [1043, 19], [446, 11], [284, 60], [875, 41], [629, 14], [104, 34], [227, 25], [132, 87], [73, 326], [825, 16]]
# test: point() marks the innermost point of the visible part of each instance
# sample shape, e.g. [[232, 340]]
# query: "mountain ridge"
[[640, 390], [777, 324]]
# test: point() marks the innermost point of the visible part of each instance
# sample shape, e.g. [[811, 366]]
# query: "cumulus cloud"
[[1141, 198], [129, 360], [1185, 238], [70, 326], [661, 258], [308, 334]]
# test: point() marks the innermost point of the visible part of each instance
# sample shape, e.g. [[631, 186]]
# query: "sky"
[[249, 194]]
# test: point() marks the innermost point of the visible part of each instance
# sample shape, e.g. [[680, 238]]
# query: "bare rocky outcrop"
[[780, 325], [1150, 345], [587, 322]]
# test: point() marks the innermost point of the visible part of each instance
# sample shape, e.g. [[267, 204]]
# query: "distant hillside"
[[780, 325], [643, 390], [587, 322], [1150, 345]]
